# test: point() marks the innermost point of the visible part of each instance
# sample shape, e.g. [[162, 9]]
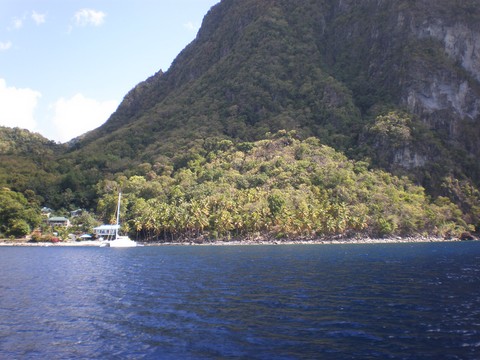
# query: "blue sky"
[[65, 65]]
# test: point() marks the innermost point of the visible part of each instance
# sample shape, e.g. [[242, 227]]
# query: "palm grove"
[[281, 187]]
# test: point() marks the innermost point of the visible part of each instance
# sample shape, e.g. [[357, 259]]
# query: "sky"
[[65, 65]]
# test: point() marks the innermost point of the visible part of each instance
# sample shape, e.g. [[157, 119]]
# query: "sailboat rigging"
[[119, 240]]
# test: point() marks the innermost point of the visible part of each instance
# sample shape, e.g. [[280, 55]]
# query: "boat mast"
[[118, 215]]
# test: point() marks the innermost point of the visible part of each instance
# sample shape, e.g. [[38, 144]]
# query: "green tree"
[[18, 217]]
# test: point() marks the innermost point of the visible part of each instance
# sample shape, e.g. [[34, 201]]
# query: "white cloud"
[[4, 46], [78, 115], [38, 18], [17, 106], [191, 26], [17, 23], [85, 17]]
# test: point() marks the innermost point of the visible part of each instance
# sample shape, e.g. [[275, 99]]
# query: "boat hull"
[[122, 242]]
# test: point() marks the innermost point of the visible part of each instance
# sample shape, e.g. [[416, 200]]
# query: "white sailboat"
[[120, 241]]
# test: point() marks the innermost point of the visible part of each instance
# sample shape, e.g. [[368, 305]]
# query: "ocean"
[[362, 301]]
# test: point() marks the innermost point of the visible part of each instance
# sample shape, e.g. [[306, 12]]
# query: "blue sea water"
[[395, 301]]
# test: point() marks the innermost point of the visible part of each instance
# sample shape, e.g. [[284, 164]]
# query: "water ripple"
[[295, 302]]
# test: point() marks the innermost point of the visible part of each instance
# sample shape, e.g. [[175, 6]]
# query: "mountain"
[[395, 83], [327, 69]]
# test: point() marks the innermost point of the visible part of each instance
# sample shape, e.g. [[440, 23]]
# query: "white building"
[[106, 231]]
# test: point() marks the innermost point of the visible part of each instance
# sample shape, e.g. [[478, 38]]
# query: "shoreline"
[[344, 241]]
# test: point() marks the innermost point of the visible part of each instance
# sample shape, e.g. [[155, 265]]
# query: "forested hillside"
[[392, 81], [279, 187], [28, 162], [394, 84], [27, 175]]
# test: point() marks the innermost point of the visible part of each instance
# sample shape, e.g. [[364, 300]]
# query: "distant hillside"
[[28, 162], [393, 82], [20, 142]]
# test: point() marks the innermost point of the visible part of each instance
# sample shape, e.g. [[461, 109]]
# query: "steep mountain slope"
[[394, 81]]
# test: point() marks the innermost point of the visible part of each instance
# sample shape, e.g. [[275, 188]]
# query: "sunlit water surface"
[[397, 301]]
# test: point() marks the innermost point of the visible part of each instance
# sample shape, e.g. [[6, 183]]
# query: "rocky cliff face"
[[448, 96], [422, 57]]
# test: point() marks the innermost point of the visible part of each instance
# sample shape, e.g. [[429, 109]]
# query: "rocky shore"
[[320, 241], [244, 242]]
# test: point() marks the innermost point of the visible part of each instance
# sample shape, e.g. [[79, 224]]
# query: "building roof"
[[107, 227], [58, 219]]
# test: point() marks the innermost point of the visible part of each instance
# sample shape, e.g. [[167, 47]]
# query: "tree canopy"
[[280, 187]]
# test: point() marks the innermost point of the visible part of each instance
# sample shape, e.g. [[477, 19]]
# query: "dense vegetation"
[[330, 70], [187, 143], [19, 215], [279, 187], [27, 159], [32, 163]]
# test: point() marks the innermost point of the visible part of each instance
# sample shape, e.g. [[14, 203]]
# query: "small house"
[[46, 212], [58, 221], [76, 213]]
